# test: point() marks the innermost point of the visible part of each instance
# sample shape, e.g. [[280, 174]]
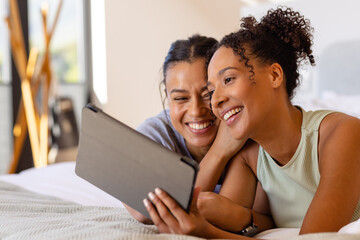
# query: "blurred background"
[[110, 53]]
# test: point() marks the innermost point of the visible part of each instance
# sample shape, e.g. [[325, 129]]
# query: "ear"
[[277, 75]]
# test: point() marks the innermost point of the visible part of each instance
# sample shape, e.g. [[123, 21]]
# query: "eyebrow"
[[177, 90], [225, 69], [204, 88], [220, 73]]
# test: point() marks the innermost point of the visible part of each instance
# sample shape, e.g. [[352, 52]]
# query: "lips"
[[200, 127], [226, 115]]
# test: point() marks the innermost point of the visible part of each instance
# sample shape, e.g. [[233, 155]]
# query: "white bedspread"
[[104, 211], [59, 180]]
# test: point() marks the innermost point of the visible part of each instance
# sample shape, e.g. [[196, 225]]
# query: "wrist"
[[220, 154], [252, 228]]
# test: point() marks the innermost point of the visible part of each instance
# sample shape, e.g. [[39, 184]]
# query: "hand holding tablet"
[[128, 165]]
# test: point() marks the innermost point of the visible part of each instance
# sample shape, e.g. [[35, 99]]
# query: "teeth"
[[199, 126], [232, 112]]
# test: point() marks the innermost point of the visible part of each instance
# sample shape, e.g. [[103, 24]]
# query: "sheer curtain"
[[5, 93]]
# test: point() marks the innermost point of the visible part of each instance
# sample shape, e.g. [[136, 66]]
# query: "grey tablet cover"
[[129, 165]]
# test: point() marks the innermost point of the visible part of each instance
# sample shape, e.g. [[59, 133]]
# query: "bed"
[[54, 203]]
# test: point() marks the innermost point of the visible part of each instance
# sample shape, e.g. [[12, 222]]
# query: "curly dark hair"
[[282, 36]]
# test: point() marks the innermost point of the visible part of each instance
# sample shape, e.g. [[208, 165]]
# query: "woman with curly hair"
[[307, 162], [188, 126]]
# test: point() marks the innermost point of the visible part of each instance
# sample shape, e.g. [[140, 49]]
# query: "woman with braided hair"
[[306, 162]]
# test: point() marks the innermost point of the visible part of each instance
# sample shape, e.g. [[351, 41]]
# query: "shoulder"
[[339, 138], [160, 130], [248, 154], [337, 125], [250, 150], [156, 128], [155, 123]]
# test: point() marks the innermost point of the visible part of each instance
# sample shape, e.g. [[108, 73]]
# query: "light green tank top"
[[291, 188]]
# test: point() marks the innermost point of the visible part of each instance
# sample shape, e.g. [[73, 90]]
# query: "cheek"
[[208, 108], [176, 113], [213, 109], [216, 113], [243, 89]]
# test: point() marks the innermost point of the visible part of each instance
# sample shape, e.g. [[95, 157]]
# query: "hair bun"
[[282, 36], [248, 23], [292, 28]]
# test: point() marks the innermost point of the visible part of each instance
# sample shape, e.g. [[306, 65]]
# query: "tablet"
[[128, 165]]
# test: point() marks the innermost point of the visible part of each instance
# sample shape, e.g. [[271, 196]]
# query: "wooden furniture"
[[32, 117]]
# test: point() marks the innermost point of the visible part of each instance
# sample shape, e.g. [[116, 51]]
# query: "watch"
[[252, 229]]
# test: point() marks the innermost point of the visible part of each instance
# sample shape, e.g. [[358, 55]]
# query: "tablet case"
[[128, 165]]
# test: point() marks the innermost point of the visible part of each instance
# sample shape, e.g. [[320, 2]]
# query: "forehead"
[[186, 74], [223, 58]]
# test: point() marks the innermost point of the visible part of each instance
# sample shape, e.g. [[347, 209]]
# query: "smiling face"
[[242, 103], [189, 103]]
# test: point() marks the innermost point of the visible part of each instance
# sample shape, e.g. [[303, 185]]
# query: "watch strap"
[[252, 229]]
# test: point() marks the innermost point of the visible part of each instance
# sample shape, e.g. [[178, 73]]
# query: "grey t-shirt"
[[160, 129]]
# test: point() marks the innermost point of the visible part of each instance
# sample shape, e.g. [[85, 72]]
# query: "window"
[[68, 61], [5, 92], [4, 45], [67, 45]]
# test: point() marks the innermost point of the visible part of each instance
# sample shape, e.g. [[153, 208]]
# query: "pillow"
[[349, 104]]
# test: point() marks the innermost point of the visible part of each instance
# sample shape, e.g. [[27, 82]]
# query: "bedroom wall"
[[336, 46], [139, 34]]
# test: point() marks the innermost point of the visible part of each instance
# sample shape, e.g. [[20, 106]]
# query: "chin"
[[237, 133], [201, 142]]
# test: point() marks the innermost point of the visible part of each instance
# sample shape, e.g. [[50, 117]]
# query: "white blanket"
[[91, 212], [59, 180]]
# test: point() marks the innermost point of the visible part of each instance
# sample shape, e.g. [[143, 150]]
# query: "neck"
[[282, 134], [198, 153]]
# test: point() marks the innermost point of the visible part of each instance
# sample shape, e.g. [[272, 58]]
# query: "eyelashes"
[[180, 99], [207, 96], [228, 80], [211, 93], [204, 97]]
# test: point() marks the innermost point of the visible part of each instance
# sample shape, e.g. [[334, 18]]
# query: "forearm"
[[239, 218], [261, 210], [215, 161], [217, 233], [263, 221], [231, 216], [211, 167], [237, 223], [247, 217]]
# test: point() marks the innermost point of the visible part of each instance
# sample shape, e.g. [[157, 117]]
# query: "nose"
[[218, 98], [197, 107]]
